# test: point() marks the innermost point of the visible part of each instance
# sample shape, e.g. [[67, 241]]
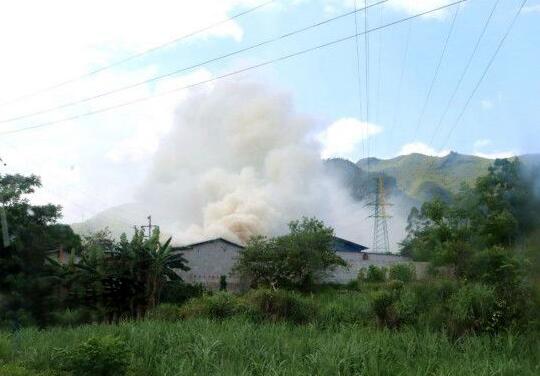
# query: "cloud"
[[418, 6], [44, 43], [532, 8], [486, 104], [343, 137], [421, 148], [69, 38], [480, 144], [409, 7], [496, 155]]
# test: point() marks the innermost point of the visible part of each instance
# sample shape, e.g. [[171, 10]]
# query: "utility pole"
[[3, 218], [380, 216], [150, 226]]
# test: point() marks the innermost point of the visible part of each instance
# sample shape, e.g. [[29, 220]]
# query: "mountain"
[[422, 177]]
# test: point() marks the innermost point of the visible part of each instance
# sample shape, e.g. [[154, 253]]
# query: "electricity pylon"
[[380, 216]]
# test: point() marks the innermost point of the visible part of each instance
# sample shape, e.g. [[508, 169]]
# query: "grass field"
[[240, 347], [342, 339]]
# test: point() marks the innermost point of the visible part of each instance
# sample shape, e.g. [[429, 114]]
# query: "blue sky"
[[63, 39]]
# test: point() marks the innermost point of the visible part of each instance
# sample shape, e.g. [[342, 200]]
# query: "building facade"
[[211, 259]]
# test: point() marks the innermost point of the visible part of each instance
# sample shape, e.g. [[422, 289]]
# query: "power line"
[[252, 67], [403, 62], [120, 219], [436, 74], [137, 55], [358, 75], [181, 70], [465, 70], [366, 45], [484, 73]]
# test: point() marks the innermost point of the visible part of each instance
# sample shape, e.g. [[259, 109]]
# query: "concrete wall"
[[209, 261], [357, 261]]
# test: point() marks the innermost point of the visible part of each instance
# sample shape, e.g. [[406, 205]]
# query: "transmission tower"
[[380, 216]]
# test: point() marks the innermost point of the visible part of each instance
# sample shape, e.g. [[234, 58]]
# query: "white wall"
[[208, 262], [356, 262]]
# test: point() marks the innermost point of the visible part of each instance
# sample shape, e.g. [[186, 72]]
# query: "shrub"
[[407, 308], [72, 317], [349, 310], [103, 356], [402, 272], [5, 347], [375, 274], [217, 306], [18, 370], [279, 305], [472, 309], [223, 283], [383, 307], [164, 312], [179, 292]]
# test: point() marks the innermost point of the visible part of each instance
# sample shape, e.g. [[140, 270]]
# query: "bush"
[[5, 347], [472, 309], [374, 274], [407, 307], [72, 317], [103, 356], [402, 272], [217, 306], [279, 305], [17, 370], [347, 310], [383, 307], [179, 292], [164, 312]]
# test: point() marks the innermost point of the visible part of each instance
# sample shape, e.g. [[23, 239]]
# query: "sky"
[[93, 162]]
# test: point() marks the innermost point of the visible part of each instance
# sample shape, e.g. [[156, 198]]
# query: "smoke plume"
[[240, 161]]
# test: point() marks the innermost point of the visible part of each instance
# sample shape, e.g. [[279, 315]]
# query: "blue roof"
[[342, 245]]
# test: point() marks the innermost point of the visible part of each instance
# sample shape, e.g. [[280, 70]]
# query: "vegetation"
[[296, 260], [341, 337], [480, 320]]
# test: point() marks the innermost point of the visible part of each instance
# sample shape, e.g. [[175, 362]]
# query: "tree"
[[296, 260], [496, 212], [25, 283], [121, 277]]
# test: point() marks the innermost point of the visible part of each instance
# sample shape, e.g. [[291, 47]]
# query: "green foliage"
[[164, 312], [402, 272], [124, 278], [179, 292], [279, 305], [72, 317], [373, 274], [383, 308], [98, 356], [473, 309], [498, 211], [223, 283], [240, 346], [5, 347], [216, 306], [495, 266], [296, 260], [26, 288], [18, 370]]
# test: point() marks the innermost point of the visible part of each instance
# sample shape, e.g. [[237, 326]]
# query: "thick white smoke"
[[240, 161]]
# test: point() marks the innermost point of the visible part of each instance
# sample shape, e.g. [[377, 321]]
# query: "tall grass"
[[239, 346]]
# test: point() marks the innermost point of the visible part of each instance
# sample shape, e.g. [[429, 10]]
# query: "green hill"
[[422, 177]]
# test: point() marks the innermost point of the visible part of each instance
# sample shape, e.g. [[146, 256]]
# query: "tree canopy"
[[295, 260]]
